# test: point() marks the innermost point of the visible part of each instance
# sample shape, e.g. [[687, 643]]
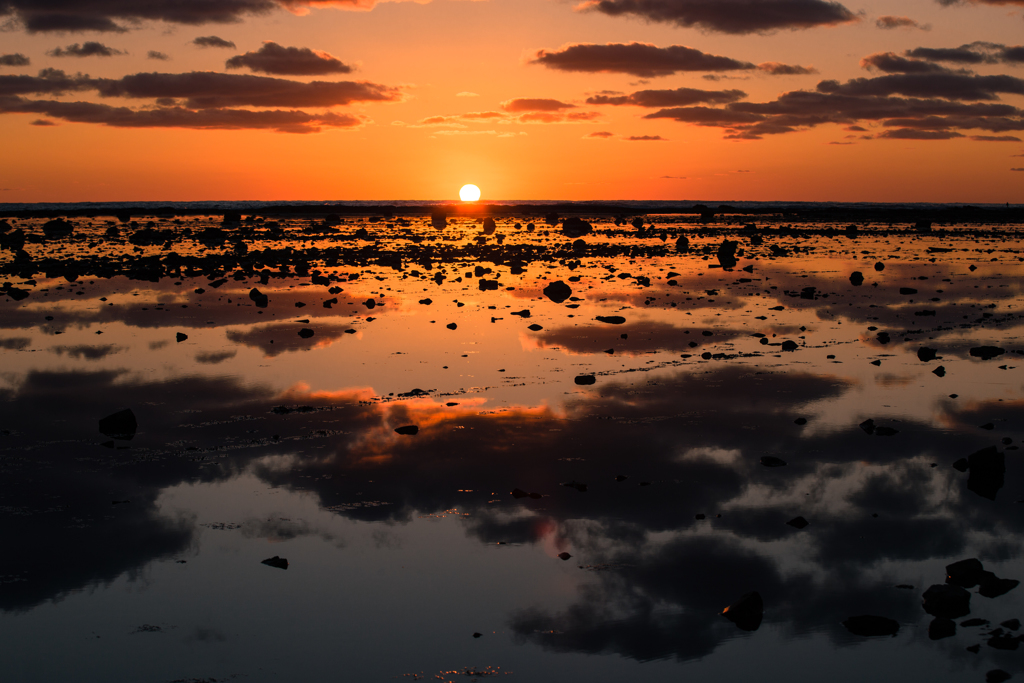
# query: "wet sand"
[[518, 441]]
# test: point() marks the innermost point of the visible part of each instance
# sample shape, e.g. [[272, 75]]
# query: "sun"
[[469, 193]]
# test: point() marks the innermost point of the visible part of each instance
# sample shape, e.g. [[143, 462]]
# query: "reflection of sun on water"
[[469, 193]]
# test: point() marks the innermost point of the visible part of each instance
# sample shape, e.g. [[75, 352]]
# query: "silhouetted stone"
[[306, 333], [988, 470], [611, 319], [276, 562], [879, 266], [1012, 624], [987, 352], [772, 461], [727, 253], [790, 345], [798, 522], [518, 493], [683, 244], [907, 291], [856, 278], [868, 625], [585, 380], [535, 327], [120, 425], [1004, 641], [564, 556], [941, 628], [558, 291], [438, 219], [489, 226], [970, 623], [57, 228], [800, 421], [997, 676], [868, 426], [939, 371], [477, 635], [946, 600], [965, 573], [747, 612], [925, 354], [408, 430], [574, 227], [582, 488], [991, 586], [452, 326], [621, 477], [259, 298]]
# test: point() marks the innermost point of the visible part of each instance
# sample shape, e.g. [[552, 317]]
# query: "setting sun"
[[469, 193]]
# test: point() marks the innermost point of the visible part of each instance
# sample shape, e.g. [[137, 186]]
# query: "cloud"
[[518, 105], [600, 135], [951, 86], [16, 59], [114, 15], [43, 122], [890, 22], [87, 49], [646, 138], [978, 52], [890, 62], [680, 97], [49, 81], [1017, 169], [639, 59], [730, 16], [153, 54], [996, 138], [180, 117], [296, 61], [777, 69], [915, 134], [466, 93], [210, 90], [213, 41]]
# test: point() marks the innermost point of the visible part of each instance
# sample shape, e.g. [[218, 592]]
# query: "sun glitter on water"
[[469, 193]]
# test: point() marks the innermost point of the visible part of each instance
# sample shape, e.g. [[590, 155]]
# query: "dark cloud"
[[639, 59], [917, 134], [43, 122], [996, 138], [951, 86], [86, 352], [214, 357], [1014, 54], [890, 62], [646, 138], [213, 41], [49, 81], [956, 55], [87, 49], [153, 54], [680, 97], [731, 16], [891, 22], [522, 104], [180, 117], [274, 59], [777, 69], [210, 90], [15, 343], [16, 59], [601, 134], [278, 338]]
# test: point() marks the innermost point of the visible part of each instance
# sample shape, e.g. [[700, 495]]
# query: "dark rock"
[[941, 628], [486, 285], [886, 431], [907, 291], [683, 244], [1004, 641], [965, 573], [574, 227], [585, 380], [727, 253], [621, 477], [960, 465], [582, 488], [306, 333], [997, 676], [426, 302], [558, 291], [988, 470], [477, 635], [277, 562], [489, 226], [970, 623], [259, 298], [1012, 624], [879, 266], [856, 278], [800, 421], [535, 327], [939, 371], [987, 352], [57, 228], [699, 516], [772, 461], [525, 313], [790, 345], [946, 600], [798, 522], [120, 425], [868, 426], [180, 336], [747, 612], [564, 556], [518, 493], [452, 326], [611, 319], [925, 354], [408, 430], [992, 586], [868, 625]]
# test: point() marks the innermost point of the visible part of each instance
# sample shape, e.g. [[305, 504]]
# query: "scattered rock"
[[941, 628], [798, 522], [558, 291], [306, 333], [946, 600], [181, 336], [856, 278], [120, 425], [868, 625], [585, 380], [564, 556], [582, 488], [408, 430], [611, 319], [277, 562], [925, 354], [997, 676], [987, 352], [747, 612], [772, 461], [790, 345]]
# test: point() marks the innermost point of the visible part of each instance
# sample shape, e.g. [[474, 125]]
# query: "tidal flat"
[[524, 445]]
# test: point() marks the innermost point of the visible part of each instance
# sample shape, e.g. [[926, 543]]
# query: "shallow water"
[[140, 559]]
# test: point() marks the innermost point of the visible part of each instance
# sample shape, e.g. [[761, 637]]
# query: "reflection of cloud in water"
[[641, 337], [278, 338]]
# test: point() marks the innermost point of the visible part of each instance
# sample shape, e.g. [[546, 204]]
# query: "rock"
[[772, 461], [180, 336], [525, 313], [683, 245], [801, 421], [582, 488], [879, 266], [306, 333], [868, 426], [727, 253], [518, 493], [564, 556], [1012, 624], [438, 219], [585, 380], [965, 573], [1004, 641], [939, 371], [535, 327], [960, 465], [120, 425], [988, 470], [925, 354], [408, 430], [747, 612], [57, 228], [868, 625], [997, 676], [987, 352], [452, 326], [992, 586], [621, 477], [941, 628], [574, 227], [611, 319], [947, 601], [259, 298], [798, 522], [856, 278], [558, 291], [790, 345], [907, 291], [970, 623], [426, 302], [489, 226], [477, 635], [276, 562]]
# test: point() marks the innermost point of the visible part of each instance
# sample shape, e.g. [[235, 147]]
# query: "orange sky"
[[417, 98]]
